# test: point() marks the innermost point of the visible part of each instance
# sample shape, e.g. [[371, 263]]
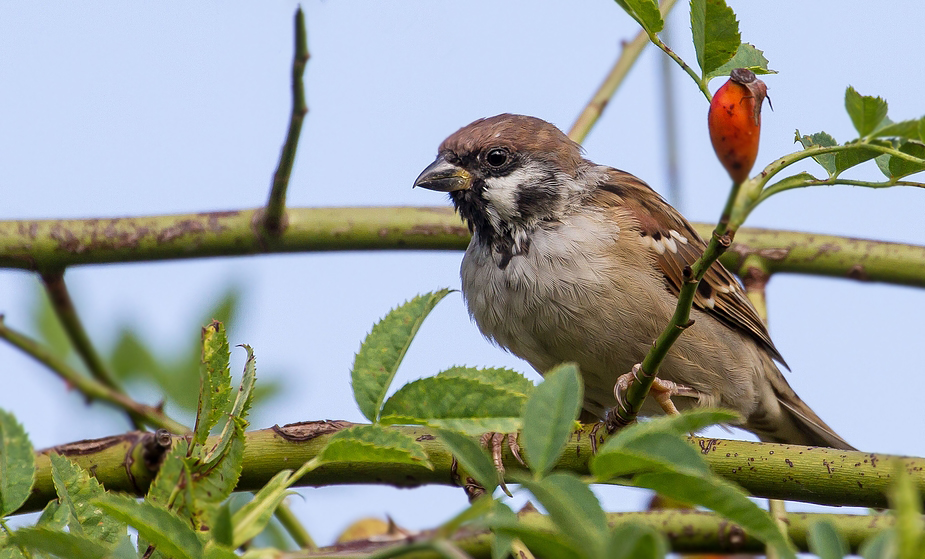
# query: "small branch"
[[628, 56], [91, 388], [772, 190], [273, 221], [701, 84], [294, 527], [792, 472], [64, 308]]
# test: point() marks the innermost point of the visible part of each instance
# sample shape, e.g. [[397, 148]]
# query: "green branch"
[[40, 245], [791, 472], [89, 387], [273, 221], [701, 84]]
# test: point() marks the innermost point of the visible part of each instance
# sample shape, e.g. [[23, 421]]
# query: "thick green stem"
[[791, 472], [273, 221]]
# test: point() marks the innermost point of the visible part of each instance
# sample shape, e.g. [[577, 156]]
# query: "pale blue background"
[[112, 109]]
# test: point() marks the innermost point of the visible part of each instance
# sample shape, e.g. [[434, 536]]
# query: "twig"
[[628, 56], [273, 221], [64, 308], [294, 527], [91, 388]]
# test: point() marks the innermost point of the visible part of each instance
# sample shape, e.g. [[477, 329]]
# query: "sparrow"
[[574, 261]]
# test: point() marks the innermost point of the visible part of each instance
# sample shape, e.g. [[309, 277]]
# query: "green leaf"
[[633, 541], [67, 545], [222, 528], [721, 496], [716, 33], [380, 355], [17, 464], [473, 457], [474, 513], [866, 112], [173, 536], [859, 154], [214, 481], [820, 139], [53, 516], [653, 452], [906, 129], [573, 508], [690, 421], [76, 491], [746, 56], [825, 541], [251, 519], [452, 398], [900, 167], [373, 443], [214, 381], [173, 473], [469, 426], [881, 546], [233, 429], [907, 507], [214, 551], [645, 12], [506, 379], [549, 417]]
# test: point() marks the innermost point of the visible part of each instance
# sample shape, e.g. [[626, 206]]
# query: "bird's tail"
[[784, 418]]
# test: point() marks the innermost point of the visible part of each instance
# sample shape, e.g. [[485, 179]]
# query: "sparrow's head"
[[507, 173]]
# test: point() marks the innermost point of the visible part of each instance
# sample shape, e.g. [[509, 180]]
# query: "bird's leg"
[[662, 390], [495, 443]]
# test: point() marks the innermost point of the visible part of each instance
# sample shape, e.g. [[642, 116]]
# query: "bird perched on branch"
[[573, 261]]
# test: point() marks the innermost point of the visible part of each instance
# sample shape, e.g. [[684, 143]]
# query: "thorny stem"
[[91, 388], [273, 218], [628, 56], [67, 313]]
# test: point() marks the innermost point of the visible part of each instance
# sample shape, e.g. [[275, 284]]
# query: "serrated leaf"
[[251, 519], [866, 112], [900, 167], [474, 458], [435, 398], [573, 508], [549, 417], [722, 497], [17, 464], [67, 545], [171, 535], [746, 56], [470, 426], [634, 541], [380, 355], [373, 443], [820, 139], [214, 481], [222, 528], [825, 541], [76, 491], [645, 12], [242, 404], [716, 33], [508, 379], [214, 381]]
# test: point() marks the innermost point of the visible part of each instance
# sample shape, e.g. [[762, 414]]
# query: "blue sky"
[[131, 109]]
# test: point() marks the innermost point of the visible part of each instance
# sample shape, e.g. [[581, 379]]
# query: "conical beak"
[[443, 176]]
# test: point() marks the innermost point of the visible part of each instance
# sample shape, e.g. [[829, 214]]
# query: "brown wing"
[[677, 246]]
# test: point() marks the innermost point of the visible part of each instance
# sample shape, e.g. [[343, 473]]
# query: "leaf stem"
[[701, 84], [273, 222]]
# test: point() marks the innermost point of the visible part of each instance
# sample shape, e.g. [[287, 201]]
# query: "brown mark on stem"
[[308, 430]]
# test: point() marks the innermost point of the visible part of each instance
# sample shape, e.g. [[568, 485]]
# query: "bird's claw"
[[662, 390], [494, 442]]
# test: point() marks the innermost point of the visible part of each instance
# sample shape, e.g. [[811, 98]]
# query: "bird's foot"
[[661, 390], [494, 442]]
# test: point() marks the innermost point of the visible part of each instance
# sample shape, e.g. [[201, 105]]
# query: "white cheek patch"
[[501, 192]]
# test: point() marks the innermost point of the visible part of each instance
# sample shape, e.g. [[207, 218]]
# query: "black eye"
[[497, 157]]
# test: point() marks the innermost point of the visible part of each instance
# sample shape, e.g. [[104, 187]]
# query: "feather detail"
[[675, 245]]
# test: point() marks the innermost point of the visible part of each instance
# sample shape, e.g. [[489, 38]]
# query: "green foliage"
[[380, 355], [214, 381], [716, 34], [17, 464], [549, 416], [373, 443], [746, 56], [866, 112], [76, 491], [826, 542], [645, 12]]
